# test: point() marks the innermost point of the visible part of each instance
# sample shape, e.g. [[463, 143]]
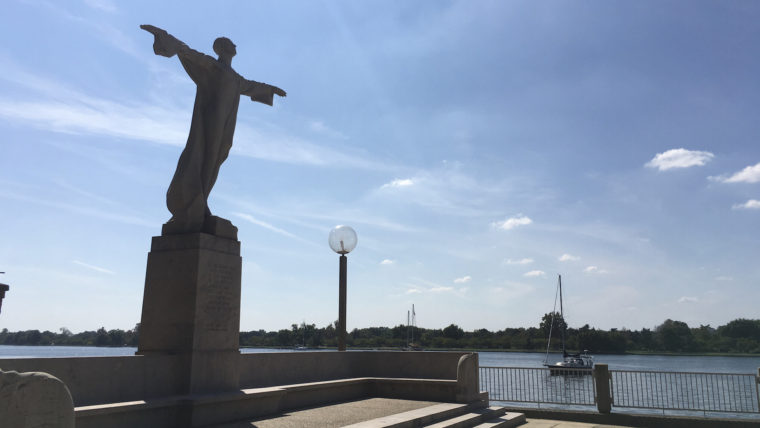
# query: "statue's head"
[[224, 47]]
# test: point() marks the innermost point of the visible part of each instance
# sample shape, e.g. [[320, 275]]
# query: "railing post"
[[757, 388], [602, 383]]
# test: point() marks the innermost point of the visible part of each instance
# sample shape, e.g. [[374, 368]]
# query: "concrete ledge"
[[203, 409], [148, 414], [185, 410], [636, 420], [125, 406], [415, 389], [330, 391]]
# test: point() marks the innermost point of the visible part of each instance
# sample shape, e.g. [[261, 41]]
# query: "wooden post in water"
[[602, 382]]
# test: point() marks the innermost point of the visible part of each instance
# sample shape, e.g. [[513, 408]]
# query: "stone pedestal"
[[191, 308]]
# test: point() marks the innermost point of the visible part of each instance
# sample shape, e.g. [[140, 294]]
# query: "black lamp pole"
[[342, 302], [342, 240]]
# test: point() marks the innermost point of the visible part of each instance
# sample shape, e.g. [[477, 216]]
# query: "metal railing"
[[678, 391], [706, 392], [537, 385]]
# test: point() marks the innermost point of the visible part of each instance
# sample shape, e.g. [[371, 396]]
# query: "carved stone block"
[[34, 400]]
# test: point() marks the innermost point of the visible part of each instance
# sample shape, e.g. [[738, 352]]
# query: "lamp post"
[[342, 240]]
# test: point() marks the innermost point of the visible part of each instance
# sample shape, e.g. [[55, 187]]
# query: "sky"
[[478, 148]]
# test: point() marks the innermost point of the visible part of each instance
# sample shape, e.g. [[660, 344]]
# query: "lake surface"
[[496, 359], [707, 364]]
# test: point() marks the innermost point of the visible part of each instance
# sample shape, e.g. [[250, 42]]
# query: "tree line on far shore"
[[738, 336]]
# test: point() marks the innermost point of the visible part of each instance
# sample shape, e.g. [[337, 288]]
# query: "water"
[[496, 359], [708, 364], [13, 351]]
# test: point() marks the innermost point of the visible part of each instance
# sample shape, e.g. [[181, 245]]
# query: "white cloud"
[[750, 174], [513, 222], [448, 190], [387, 262], [320, 127], [463, 279], [512, 290], [752, 204], [534, 273], [568, 258], [57, 108], [100, 117], [93, 267], [523, 261], [104, 5], [275, 229], [421, 286], [109, 214], [594, 269], [688, 299], [679, 158], [406, 182]]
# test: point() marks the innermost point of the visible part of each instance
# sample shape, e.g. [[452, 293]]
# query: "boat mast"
[[562, 317], [414, 322], [408, 327]]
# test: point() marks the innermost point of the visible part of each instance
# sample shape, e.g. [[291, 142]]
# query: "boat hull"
[[555, 370]]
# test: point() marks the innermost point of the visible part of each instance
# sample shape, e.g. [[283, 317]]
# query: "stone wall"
[[96, 380], [271, 369]]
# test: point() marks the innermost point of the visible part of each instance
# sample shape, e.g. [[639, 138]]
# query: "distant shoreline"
[[538, 351], [533, 351]]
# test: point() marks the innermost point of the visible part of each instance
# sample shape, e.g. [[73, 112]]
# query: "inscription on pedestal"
[[192, 295], [221, 306]]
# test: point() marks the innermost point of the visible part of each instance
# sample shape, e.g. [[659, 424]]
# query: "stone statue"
[[3, 289], [217, 97]]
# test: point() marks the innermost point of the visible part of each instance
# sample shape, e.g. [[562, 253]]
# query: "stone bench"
[[245, 403]]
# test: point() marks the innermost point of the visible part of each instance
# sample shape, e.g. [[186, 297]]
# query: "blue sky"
[[477, 148]]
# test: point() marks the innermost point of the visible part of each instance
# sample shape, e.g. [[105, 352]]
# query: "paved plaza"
[[353, 412]]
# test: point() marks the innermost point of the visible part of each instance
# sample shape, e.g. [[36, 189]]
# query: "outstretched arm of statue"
[[261, 92], [164, 44]]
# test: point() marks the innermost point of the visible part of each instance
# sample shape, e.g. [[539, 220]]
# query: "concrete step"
[[510, 419], [471, 418]]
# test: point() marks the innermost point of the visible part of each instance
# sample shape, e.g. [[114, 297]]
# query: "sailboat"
[[302, 346], [411, 324], [571, 364]]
